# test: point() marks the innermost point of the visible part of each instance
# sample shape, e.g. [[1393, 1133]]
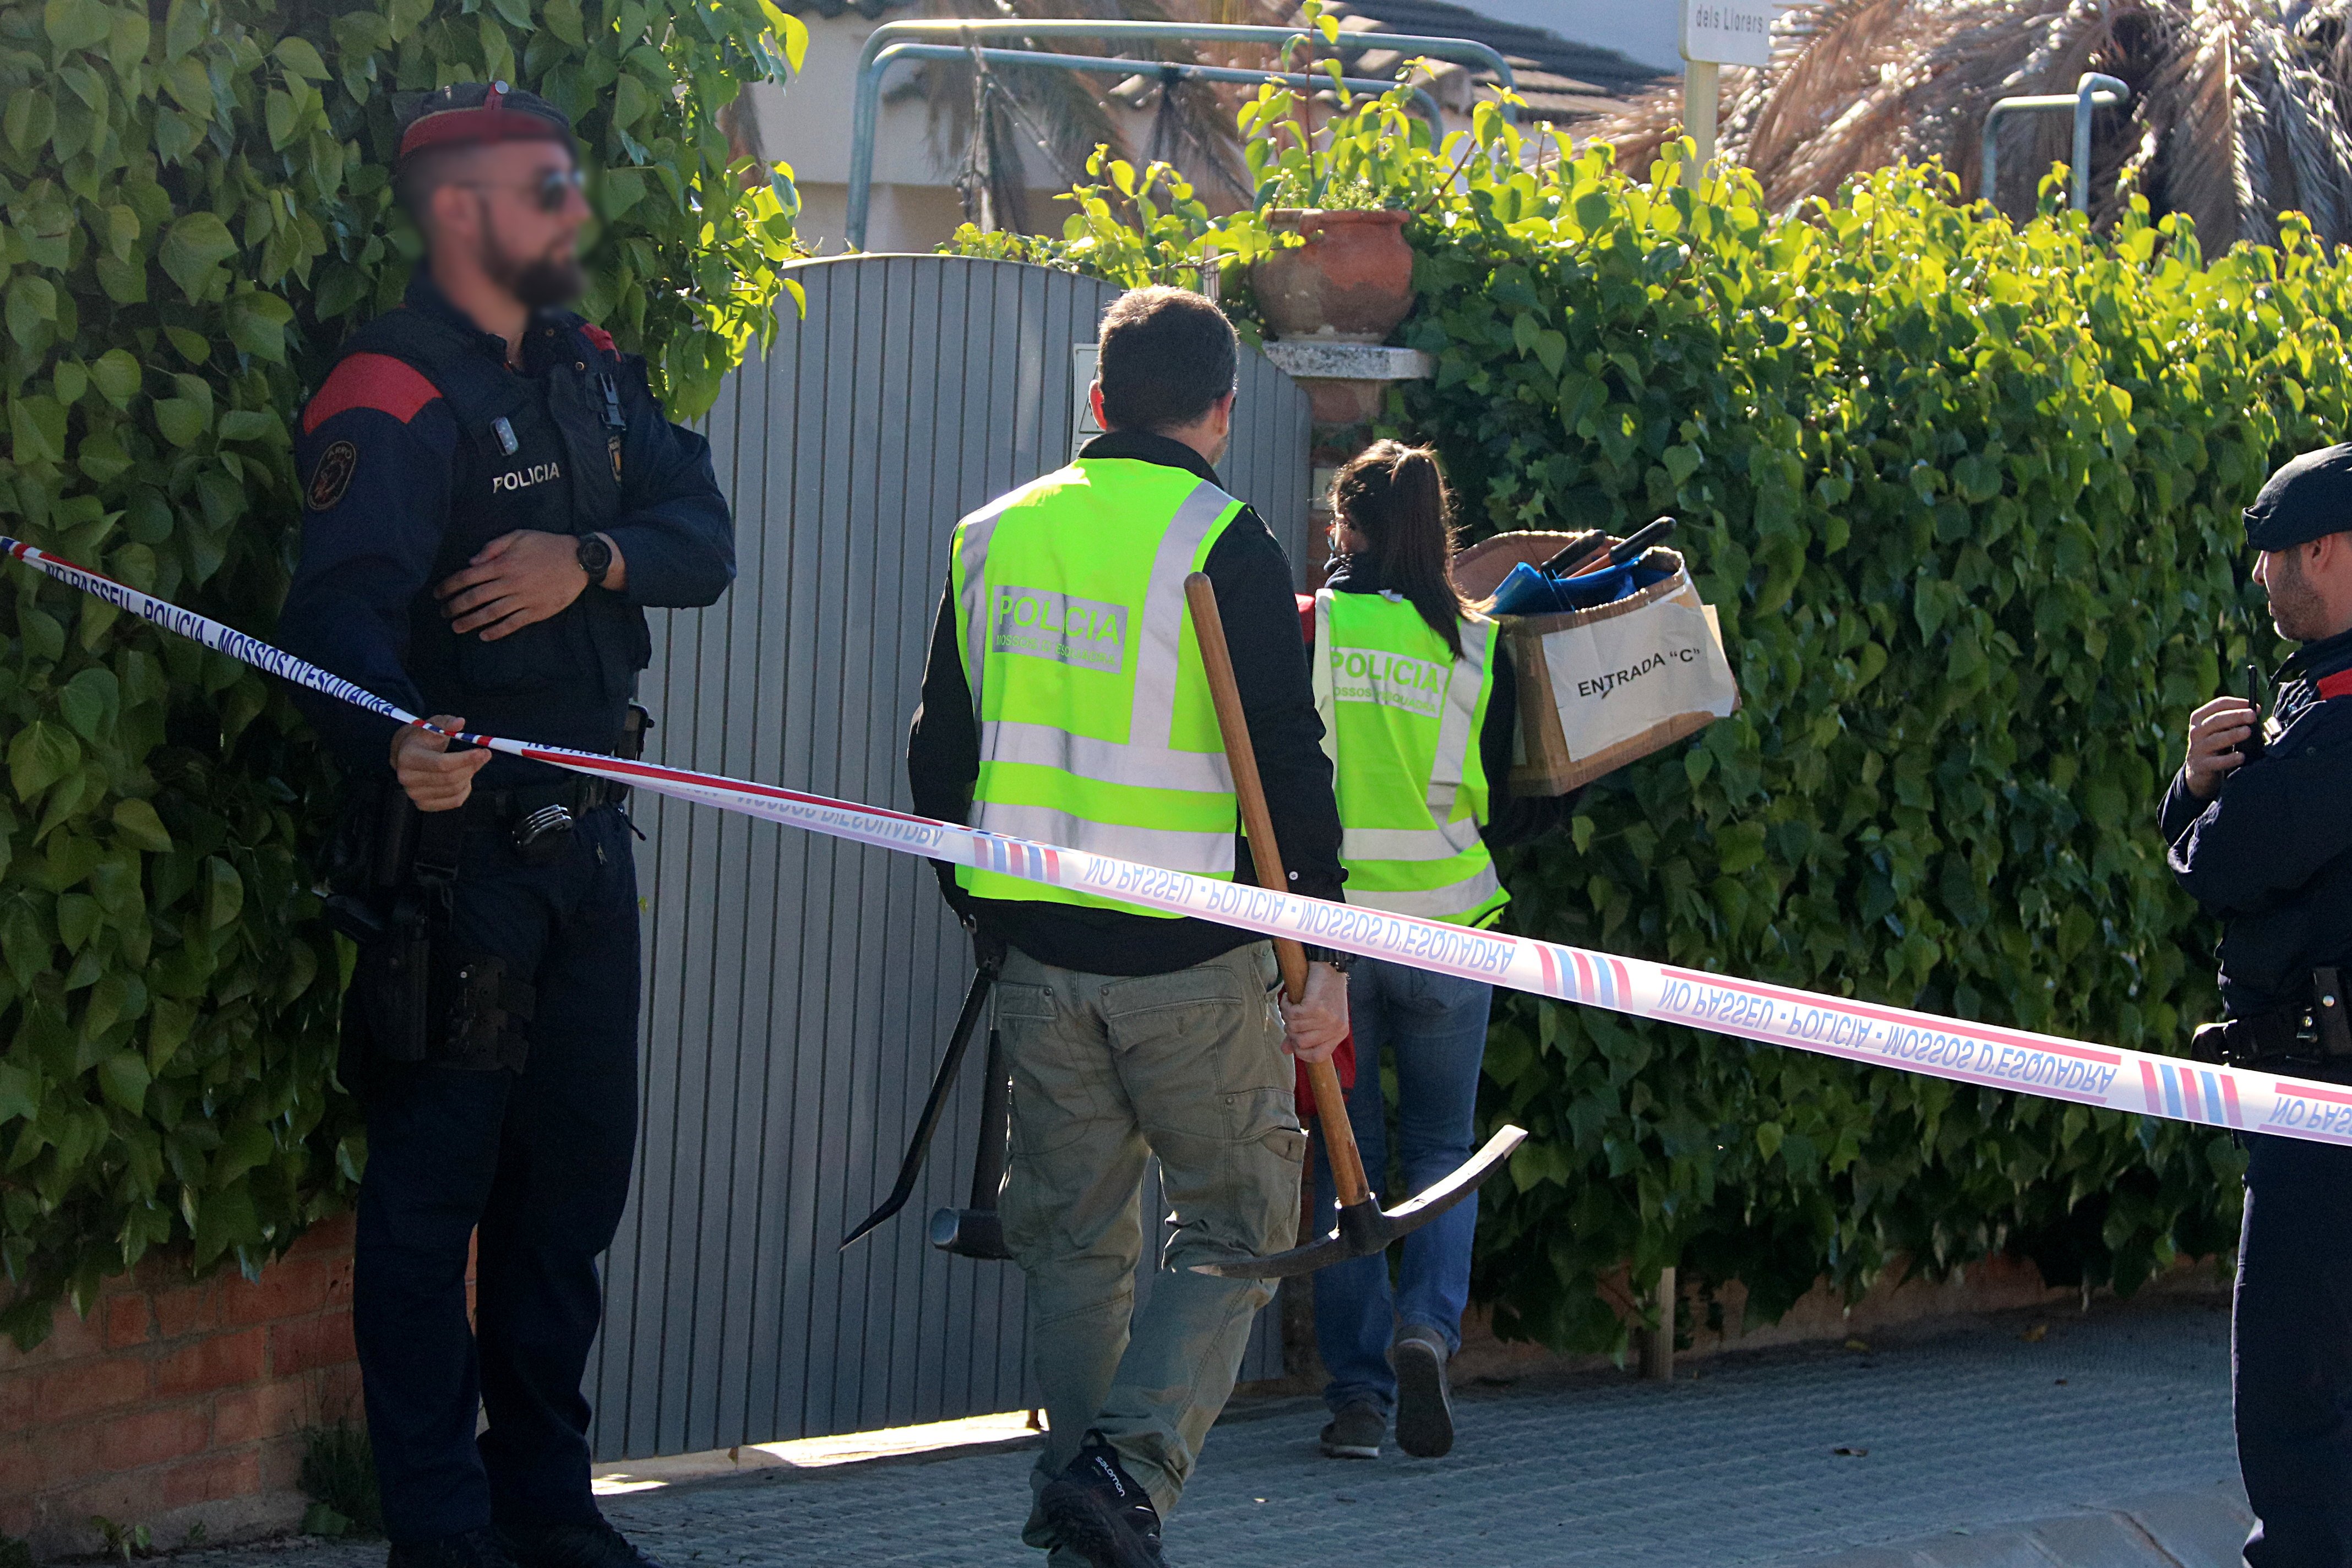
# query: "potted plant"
[[1325, 247]]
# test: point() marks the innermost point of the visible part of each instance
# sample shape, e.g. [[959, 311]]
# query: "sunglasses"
[[547, 192]]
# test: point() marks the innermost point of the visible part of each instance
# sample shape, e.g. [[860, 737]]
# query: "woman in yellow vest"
[[1417, 717]]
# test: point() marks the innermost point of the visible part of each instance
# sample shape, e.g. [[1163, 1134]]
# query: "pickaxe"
[[974, 1232], [1364, 1228]]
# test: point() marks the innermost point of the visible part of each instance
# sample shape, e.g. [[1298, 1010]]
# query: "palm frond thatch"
[[2240, 108]]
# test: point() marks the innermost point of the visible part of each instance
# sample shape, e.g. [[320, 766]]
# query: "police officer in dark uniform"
[[492, 496], [2259, 825]]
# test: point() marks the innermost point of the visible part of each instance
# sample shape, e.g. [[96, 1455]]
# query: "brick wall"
[[174, 1404]]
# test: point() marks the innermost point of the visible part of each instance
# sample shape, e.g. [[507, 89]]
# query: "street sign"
[[1728, 32]]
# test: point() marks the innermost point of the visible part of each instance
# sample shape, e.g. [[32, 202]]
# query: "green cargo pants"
[[1107, 1068]]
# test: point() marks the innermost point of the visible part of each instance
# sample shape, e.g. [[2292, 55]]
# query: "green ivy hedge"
[[1967, 493], [198, 211]]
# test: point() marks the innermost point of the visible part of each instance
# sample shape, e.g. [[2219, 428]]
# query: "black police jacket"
[[2271, 854], [420, 448]]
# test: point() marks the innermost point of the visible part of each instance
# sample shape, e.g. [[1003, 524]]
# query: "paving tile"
[[2023, 1446]]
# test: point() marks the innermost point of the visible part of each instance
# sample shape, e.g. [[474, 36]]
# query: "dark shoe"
[[596, 1546], [1099, 1512], [1425, 1422], [483, 1548], [1355, 1432]]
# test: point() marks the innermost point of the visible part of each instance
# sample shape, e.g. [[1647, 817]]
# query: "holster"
[[415, 997], [2319, 1033]]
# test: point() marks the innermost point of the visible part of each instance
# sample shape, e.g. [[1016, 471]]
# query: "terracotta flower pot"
[[1351, 282]]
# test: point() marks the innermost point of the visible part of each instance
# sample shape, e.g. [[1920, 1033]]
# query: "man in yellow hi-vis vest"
[[1065, 702]]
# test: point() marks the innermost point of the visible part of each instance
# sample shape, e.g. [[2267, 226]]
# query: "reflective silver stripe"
[[1327, 704], [1432, 903], [1455, 738], [1159, 644], [1104, 762], [1442, 842], [1204, 854], [973, 534]]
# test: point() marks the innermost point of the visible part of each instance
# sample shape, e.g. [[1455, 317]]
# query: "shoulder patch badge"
[[333, 475]]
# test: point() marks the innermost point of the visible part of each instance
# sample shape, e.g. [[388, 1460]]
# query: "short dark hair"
[[1163, 356], [421, 173]]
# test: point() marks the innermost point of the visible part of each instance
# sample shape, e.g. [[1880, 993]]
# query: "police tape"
[[2076, 1072]]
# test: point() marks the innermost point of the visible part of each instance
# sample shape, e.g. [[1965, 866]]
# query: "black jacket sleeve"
[[676, 533], [2275, 821], [943, 746], [1511, 819], [1251, 578], [366, 556]]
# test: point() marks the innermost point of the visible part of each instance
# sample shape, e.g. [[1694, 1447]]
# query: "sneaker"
[[1425, 1422], [596, 1546], [483, 1548], [1355, 1432], [1098, 1510]]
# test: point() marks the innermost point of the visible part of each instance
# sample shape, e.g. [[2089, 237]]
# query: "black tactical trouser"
[[2292, 1362], [539, 1162]]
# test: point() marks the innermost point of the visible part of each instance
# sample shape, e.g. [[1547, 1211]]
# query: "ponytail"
[[1395, 496]]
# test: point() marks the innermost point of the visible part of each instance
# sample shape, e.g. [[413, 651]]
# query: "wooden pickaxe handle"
[[1330, 1100]]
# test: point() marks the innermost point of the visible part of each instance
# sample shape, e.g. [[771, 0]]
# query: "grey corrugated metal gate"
[[799, 990]]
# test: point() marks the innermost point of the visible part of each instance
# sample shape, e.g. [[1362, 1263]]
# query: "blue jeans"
[[1436, 1025], [2291, 1344]]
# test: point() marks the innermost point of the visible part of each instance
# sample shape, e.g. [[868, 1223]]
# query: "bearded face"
[[2297, 610]]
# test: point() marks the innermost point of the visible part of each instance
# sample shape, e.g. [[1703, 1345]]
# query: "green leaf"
[[16, 1095], [181, 420], [38, 425], [223, 892], [75, 24], [298, 56], [32, 307], [258, 324], [89, 702], [194, 247], [39, 756], [516, 12], [123, 1078], [118, 376], [138, 826], [25, 942]]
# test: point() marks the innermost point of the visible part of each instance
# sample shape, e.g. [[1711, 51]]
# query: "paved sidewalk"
[[2103, 1443]]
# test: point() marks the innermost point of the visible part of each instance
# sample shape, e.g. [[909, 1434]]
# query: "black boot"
[[596, 1546], [483, 1548], [1099, 1512]]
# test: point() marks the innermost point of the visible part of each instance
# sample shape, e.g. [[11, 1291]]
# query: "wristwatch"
[[596, 558], [1338, 958]]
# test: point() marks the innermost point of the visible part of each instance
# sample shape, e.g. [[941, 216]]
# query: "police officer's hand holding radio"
[[2259, 822], [492, 498]]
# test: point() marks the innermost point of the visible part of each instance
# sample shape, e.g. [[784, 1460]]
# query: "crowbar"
[[975, 1003], [979, 1231], [1364, 1229]]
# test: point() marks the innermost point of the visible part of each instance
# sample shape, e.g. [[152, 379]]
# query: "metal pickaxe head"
[[1365, 1230]]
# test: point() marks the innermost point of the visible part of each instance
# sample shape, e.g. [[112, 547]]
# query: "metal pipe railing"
[[884, 47], [2093, 91]]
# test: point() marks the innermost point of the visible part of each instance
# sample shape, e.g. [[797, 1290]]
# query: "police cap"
[[2308, 497], [472, 113]]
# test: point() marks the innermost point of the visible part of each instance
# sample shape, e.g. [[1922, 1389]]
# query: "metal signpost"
[[1718, 33]]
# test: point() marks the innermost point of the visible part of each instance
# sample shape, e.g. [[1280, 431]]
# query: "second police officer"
[[2259, 828], [492, 497]]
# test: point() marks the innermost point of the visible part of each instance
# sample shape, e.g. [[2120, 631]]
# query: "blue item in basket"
[[1528, 592]]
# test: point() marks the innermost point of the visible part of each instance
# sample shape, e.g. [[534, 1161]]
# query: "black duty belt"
[[578, 794], [538, 819], [2317, 1032]]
